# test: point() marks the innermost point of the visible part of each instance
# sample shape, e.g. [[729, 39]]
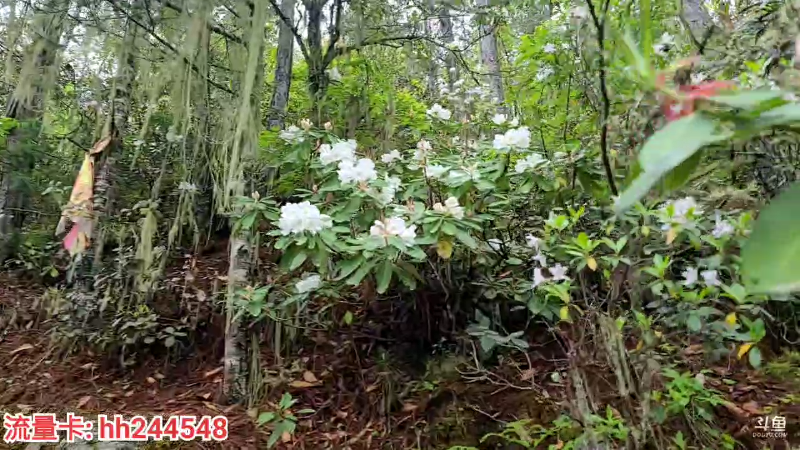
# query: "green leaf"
[[449, 228], [665, 150], [359, 274], [348, 318], [347, 267], [770, 255], [265, 417], [782, 115], [677, 141], [754, 356], [747, 99], [693, 323], [676, 178], [468, 240], [297, 260], [384, 276]]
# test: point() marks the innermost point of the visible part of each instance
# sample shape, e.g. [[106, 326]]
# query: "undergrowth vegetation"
[[591, 205]]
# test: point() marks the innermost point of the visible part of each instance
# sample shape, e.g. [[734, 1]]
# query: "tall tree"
[[244, 145], [26, 106], [489, 54], [283, 67]]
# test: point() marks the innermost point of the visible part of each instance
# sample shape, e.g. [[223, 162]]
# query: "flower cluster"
[[557, 273], [391, 157], [292, 135], [544, 73], [532, 161], [439, 112], [515, 138], [709, 277], [299, 217], [423, 148], [450, 207], [357, 172], [386, 195], [722, 227], [394, 226], [679, 212], [340, 151], [435, 171]]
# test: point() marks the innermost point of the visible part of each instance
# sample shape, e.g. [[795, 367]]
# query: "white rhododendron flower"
[[390, 157], [450, 207], [541, 259], [683, 211], [499, 119], [394, 226], [435, 171], [439, 112], [666, 42], [308, 284], [423, 147], [544, 72], [559, 272], [299, 217], [549, 48], [392, 185], [514, 122], [340, 151], [334, 74], [531, 161], [516, 138], [710, 277], [532, 241], [689, 276], [305, 124], [292, 135], [722, 227], [538, 277], [359, 172]]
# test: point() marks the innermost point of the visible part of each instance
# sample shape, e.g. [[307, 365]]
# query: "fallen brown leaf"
[[83, 400], [309, 376], [151, 380], [286, 437], [301, 384], [752, 408], [736, 411], [527, 374], [408, 407]]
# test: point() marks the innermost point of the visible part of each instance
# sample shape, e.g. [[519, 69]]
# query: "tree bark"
[[26, 105], [489, 58], [235, 379], [283, 68], [117, 127], [696, 17]]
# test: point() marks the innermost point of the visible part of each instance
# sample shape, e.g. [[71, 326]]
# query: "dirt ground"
[[363, 395]]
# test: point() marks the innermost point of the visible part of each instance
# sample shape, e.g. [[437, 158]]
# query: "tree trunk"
[[490, 60], [317, 79], [697, 17], [117, 126], [26, 105], [245, 145], [433, 67], [450, 62], [283, 68]]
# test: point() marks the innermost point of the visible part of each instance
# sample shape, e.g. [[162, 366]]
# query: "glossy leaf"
[[770, 256]]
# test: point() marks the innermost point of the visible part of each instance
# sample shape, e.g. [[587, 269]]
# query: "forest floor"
[[363, 396]]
